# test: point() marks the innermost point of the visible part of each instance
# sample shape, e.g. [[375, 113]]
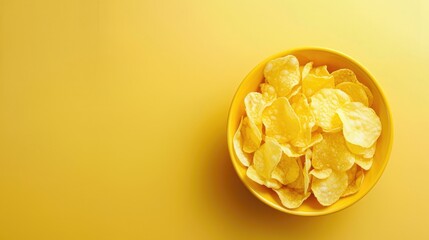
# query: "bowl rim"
[[230, 134]]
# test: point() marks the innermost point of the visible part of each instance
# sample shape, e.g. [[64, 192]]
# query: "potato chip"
[[286, 171], [283, 74], [333, 153], [306, 70], [298, 184], [266, 158], [355, 92], [280, 121], [368, 94], [291, 151], [306, 119], [268, 93], [254, 176], [321, 173], [243, 157], [251, 135], [355, 179], [306, 170], [361, 125], [296, 90], [313, 83], [315, 139], [324, 105], [344, 75], [320, 71], [291, 198], [255, 104], [365, 163], [364, 152], [328, 191]]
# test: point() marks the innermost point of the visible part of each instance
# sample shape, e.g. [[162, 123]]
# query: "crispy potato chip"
[[255, 104], [365, 163], [328, 191], [268, 92], [364, 152], [266, 158], [324, 105], [296, 90], [315, 139], [355, 179], [368, 94], [245, 158], [333, 153], [306, 70], [361, 125], [344, 75], [321, 173], [251, 135], [306, 170], [313, 83], [291, 198], [254, 176], [298, 184], [306, 119], [320, 71], [291, 151], [283, 74], [355, 92], [280, 121], [286, 171]]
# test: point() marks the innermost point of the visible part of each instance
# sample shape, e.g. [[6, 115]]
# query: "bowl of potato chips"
[[309, 131]]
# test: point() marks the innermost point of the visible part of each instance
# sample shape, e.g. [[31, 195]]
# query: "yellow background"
[[113, 116]]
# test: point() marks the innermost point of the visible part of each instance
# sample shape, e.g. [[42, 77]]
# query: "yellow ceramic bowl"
[[334, 60]]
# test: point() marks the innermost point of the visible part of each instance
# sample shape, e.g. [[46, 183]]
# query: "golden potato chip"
[[266, 158], [251, 135], [268, 93], [361, 125], [254, 176], [283, 74], [306, 170], [365, 163], [328, 191], [286, 171], [368, 94], [364, 152], [355, 92], [245, 158], [291, 151], [298, 184], [344, 75], [324, 105], [333, 153], [296, 90], [321, 173], [320, 71], [255, 104], [291, 198], [315, 139], [313, 83], [306, 119], [355, 179], [306, 70], [280, 121]]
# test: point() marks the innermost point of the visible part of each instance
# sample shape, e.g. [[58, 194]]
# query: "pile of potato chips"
[[308, 131]]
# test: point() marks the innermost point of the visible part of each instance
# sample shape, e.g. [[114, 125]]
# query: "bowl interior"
[[334, 60]]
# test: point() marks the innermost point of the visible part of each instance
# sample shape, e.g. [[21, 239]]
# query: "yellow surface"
[[334, 61], [113, 116]]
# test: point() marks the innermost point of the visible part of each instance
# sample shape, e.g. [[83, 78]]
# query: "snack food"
[[308, 131]]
